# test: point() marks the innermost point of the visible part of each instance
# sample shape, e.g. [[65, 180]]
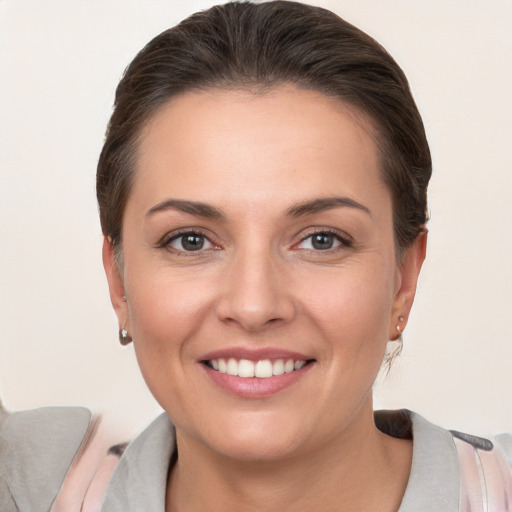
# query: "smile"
[[262, 369]]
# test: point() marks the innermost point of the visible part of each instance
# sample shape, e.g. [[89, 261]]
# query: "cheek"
[[166, 312], [164, 303], [352, 309]]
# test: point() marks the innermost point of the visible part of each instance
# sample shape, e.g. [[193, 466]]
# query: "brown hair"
[[257, 47]]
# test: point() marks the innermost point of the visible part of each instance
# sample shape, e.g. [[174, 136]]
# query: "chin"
[[254, 436], [246, 447]]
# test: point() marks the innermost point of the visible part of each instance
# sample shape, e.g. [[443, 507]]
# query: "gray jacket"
[[36, 451], [37, 448]]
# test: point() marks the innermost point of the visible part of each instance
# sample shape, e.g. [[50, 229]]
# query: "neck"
[[362, 469]]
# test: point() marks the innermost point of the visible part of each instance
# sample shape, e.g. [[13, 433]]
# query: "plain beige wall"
[[59, 64]]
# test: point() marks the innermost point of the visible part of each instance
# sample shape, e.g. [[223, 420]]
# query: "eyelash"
[[344, 241], [166, 242]]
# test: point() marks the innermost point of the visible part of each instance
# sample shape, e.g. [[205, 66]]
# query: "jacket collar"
[[434, 479], [140, 479]]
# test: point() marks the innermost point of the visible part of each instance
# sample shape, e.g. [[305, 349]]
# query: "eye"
[[189, 242], [322, 241]]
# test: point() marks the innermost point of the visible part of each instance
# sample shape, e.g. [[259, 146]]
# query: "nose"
[[255, 292]]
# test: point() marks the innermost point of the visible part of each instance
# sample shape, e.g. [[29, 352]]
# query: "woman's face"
[[258, 238]]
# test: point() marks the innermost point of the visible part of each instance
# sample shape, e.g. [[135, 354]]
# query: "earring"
[[124, 337], [399, 338], [394, 348]]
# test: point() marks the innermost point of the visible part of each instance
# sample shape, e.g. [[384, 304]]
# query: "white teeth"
[[245, 368], [299, 364], [262, 369], [278, 367], [232, 366]]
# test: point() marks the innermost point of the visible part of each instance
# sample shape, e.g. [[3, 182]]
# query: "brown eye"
[[190, 242]]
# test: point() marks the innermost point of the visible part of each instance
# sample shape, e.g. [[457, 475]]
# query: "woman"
[[262, 193]]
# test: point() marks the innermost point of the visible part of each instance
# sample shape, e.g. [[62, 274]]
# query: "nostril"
[[255, 302]]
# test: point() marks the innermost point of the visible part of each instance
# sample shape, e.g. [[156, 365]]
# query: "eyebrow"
[[193, 207], [298, 210], [322, 204]]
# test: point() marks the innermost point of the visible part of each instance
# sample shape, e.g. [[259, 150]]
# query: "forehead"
[[219, 144]]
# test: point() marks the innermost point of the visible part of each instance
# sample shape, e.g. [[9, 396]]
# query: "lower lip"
[[253, 387]]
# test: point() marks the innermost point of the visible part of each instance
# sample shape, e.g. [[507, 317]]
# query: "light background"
[[59, 64]]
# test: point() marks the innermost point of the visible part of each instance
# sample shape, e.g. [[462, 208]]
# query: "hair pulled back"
[[256, 47]]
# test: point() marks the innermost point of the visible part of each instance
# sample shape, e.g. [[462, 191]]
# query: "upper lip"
[[254, 354]]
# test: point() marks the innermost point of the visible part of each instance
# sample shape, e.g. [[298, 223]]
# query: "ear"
[[408, 271], [115, 283]]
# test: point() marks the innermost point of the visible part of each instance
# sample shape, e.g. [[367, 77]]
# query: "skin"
[[259, 282]]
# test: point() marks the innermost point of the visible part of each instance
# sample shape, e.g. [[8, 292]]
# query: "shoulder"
[[37, 448], [504, 442], [450, 467], [485, 467]]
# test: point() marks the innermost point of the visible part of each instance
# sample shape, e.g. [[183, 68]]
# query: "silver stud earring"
[[124, 337]]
